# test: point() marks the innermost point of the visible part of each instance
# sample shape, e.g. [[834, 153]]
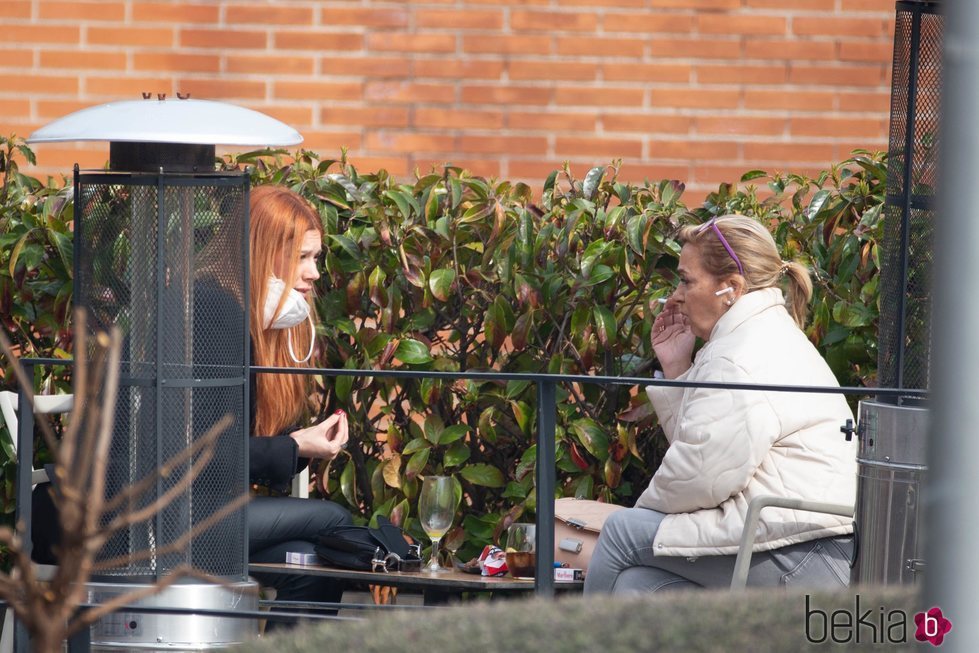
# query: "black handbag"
[[385, 548]]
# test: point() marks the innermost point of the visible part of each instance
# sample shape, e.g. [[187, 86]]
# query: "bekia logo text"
[[873, 626]]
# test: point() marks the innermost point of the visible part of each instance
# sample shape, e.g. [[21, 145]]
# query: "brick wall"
[[698, 90]]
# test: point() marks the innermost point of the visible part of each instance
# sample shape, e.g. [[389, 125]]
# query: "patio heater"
[[892, 431], [161, 251]]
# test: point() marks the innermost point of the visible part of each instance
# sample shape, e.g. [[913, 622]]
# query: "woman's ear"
[[739, 284]]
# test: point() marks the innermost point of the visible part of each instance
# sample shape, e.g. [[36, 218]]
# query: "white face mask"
[[294, 311]]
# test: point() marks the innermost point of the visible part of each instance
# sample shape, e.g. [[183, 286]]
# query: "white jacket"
[[729, 446]]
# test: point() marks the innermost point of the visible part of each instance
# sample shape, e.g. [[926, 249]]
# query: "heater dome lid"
[[193, 122]]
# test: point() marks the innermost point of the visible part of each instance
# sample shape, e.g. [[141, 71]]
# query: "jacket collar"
[[749, 305]]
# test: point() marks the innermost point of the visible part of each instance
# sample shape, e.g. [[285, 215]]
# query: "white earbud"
[[724, 291]]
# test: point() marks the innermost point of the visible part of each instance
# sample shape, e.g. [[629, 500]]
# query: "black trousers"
[[277, 525]]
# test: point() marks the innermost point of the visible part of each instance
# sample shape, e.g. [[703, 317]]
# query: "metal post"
[[953, 485], [546, 475], [25, 463]]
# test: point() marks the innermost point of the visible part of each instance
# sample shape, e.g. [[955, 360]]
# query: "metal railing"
[[546, 477]]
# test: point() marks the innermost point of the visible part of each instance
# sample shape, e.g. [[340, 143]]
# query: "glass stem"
[[434, 562]]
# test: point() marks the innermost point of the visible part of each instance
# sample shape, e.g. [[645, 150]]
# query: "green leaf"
[[432, 428], [753, 174], [593, 180], [483, 474], [417, 463], [453, 433], [412, 352], [347, 245], [456, 454], [414, 446], [348, 484], [441, 283], [605, 321], [592, 436]]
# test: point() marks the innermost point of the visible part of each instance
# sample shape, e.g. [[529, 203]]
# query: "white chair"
[[43, 404], [743, 561], [300, 484]]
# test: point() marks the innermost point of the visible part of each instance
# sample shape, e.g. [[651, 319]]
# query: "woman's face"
[[694, 294], [307, 271]]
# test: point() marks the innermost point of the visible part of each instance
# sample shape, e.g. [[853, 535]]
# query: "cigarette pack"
[[295, 558], [568, 575]]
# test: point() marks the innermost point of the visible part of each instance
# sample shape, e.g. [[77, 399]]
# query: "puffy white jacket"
[[729, 446]]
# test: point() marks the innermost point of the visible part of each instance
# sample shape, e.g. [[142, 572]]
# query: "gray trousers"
[[623, 561]]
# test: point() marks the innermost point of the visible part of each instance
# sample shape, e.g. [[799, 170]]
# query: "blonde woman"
[[728, 446]]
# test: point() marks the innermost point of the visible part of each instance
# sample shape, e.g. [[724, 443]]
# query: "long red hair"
[[279, 220]]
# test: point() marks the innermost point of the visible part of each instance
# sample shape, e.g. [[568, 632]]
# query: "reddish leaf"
[[577, 458]]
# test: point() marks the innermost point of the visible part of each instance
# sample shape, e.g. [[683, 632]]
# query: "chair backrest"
[[43, 404]]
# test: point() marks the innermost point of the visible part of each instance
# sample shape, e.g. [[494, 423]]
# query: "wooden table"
[[436, 588]]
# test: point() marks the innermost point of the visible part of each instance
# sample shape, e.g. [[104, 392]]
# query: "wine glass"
[[436, 509]]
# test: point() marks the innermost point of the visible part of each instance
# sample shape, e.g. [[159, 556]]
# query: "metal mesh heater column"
[[891, 458], [164, 256]]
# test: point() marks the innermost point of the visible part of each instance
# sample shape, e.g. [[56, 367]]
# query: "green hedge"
[[459, 273]]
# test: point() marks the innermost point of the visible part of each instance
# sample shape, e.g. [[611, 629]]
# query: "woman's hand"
[[673, 341], [323, 440]]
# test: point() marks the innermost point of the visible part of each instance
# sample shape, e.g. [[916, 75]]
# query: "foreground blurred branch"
[[48, 608]]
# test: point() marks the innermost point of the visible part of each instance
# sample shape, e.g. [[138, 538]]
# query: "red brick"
[[267, 14], [791, 152], [460, 19], [309, 91], [738, 124], [522, 3], [696, 4], [100, 11], [366, 66], [313, 40], [695, 99], [741, 74], [128, 88], [15, 9], [222, 38], [838, 26], [83, 59], [386, 17], [537, 169], [552, 21], [16, 58], [789, 50], [176, 62], [687, 149], [638, 172], [270, 64], [868, 5], [32, 34], [647, 22], [203, 89], [59, 159], [168, 12], [413, 42], [478, 167], [291, 115], [797, 5], [788, 100], [395, 165], [871, 128], [599, 97], [556, 70], [408, 91], [845, 150], [519, 45], [551, 121], [866, 101], [391, 141], [22, 107], [594, 146], [141, 36], [696, 48], [861, 51], [647, 72], [371, 116], [745, 24], [459, 68], [601, 47], [511, 95], [38, 83], [646, 123], [434, 118], [331, 141], [721, 173], [851, 75], [502, 144], [605, 3]]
